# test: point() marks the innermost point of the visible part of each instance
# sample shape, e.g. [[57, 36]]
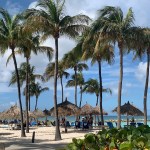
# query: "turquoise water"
[[106, 119]]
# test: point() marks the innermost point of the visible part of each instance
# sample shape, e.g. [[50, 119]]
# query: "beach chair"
[[139, 124], [77, 124], [85, 125], [110, 125], [133, 124]]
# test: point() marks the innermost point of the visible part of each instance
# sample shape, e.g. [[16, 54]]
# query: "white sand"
[[44, 138]]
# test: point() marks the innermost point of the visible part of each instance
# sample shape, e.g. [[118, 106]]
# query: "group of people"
[[86, 122]]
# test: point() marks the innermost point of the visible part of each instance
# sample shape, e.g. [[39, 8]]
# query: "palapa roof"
[[96, 111], [86, 109], [46, 112], [12, 113], [65, 108], [38, 113], [130, 109]]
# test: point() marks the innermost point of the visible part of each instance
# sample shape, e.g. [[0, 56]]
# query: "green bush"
[[121, 139]]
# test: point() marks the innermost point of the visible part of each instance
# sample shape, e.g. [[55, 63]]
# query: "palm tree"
[[141, 48], [72, 60], [102, 52], [22, 76], [113, 25], [28, 45], [10, 37], [80, 83], [92, 86], [49, 73], [36, 90], [53, 22]]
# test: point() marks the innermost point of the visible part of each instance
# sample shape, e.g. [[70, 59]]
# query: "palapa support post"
[[33, 136]]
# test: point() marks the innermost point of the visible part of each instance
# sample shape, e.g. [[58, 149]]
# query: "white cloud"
[[141, 71]]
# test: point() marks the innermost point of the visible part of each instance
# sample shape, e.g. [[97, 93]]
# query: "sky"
[[134, 71]]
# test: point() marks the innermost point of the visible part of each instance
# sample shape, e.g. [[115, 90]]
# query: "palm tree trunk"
[[36, 102], [75, 70], [97, 99], [146, 88], [29, 98], [62, 89], [80, 96], [19, 93], [57, 133], [120, 85], [101, 96], [27, 95]]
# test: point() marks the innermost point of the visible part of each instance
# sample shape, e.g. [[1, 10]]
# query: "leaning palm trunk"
[[101, 96], [57, 133], [120, 85], [97, 99], [75, 70], [146, 88], [36, 102], [80, 96], [27, 95], [19, 93], [62, 89]]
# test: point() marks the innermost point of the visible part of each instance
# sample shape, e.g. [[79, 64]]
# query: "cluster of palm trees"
[[95, 42]]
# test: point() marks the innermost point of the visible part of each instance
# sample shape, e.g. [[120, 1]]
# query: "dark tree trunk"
[[29, 98], [97, 99], [36, 102], [27, 95], [80, 96], [19, 93], [75, 94], [62, 89], [120, 85], [57, 132], [146, 88], [100, 92]]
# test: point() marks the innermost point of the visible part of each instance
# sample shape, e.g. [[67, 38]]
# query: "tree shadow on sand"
[[26, 144]]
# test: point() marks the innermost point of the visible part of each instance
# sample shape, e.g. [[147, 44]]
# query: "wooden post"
[[33, 136]]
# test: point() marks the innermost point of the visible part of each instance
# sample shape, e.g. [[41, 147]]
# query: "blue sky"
[[134, 71]]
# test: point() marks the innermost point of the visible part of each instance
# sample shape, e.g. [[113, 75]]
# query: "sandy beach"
[[44, 138]]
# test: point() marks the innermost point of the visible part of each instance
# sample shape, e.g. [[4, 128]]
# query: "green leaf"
[[125, 146]]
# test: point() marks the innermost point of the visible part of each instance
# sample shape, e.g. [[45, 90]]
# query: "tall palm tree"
[[118, 28], [142, 47], [98, 52], [92, 86], [30, 44], [10, 37], [36, 90], [52, 21], [49, 73], [72, 60], [80, 83]]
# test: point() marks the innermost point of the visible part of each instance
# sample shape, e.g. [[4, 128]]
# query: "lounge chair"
[[133, 124], [139, 124], [110, 125]]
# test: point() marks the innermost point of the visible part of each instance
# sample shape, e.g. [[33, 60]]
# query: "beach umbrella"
[[65, 108], [129, 109], [38, 113], [30, 114], [96, 111], [86, 110], [46, 112], [12, 113]]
